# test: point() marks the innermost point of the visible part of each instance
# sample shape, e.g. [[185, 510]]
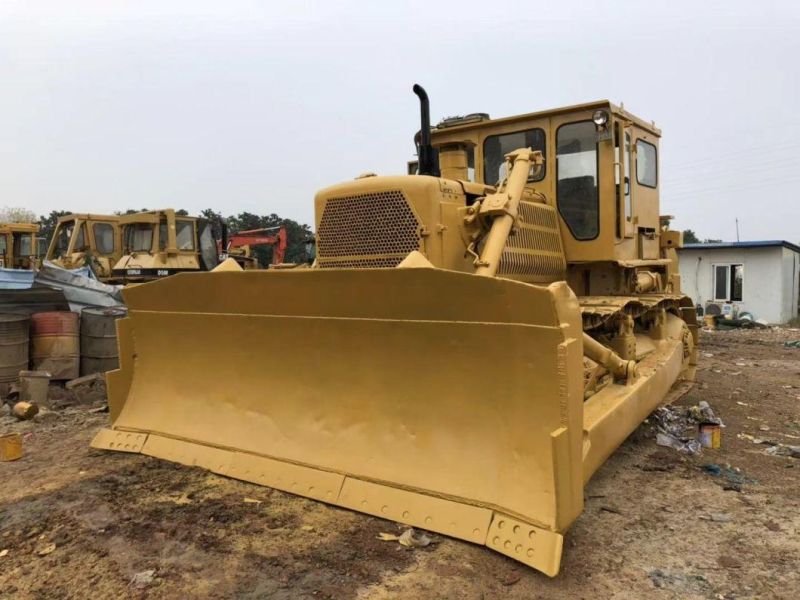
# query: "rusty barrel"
[[99, 339], [55, 344], [13, 346]]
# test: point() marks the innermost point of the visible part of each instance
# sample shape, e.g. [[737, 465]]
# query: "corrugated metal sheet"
[[15, 279], [79, 287], [54, 288], [33, 300]]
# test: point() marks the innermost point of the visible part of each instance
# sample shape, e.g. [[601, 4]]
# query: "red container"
[[55, 344], [54, 323]]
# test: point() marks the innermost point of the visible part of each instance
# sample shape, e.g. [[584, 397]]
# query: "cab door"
[[626, 245], [585, 186], [644, 186]]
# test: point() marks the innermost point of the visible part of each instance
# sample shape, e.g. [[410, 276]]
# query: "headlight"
[[600, 118]]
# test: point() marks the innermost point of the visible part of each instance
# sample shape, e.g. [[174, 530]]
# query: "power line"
[[717, 157], [733, 187]]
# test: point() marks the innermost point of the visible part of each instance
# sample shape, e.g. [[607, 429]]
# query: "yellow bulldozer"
[[159, 243], [20, 246], [477, 337], [86, 240]]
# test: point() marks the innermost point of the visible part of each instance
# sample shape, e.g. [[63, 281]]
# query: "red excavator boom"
[[259, 237]]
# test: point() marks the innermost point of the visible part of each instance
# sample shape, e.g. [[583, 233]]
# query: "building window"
[[728, 281], [495, 148], [646, 164], [576, 179]]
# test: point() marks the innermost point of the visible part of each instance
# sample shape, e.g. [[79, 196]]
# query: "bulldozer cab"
[[600, 172], [86, 240], [19, 245], [159, 243]]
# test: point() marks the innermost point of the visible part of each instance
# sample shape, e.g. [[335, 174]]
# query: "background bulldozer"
[[20, 246], [86, 240], [159, 243], [478, 337]]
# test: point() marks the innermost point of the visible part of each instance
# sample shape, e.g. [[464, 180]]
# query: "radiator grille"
[[534, 252], [367, 230]]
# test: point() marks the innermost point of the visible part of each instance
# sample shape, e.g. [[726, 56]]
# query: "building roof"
[[756, 244]]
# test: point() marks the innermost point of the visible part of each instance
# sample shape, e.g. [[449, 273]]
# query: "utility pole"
[[737, 229]]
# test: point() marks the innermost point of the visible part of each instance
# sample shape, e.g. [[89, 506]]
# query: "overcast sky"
[[252, 106]]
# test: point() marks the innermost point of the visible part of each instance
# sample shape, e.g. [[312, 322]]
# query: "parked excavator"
[[240, 245], [159, 243], [86, 240], [20, 246], [477, 337]]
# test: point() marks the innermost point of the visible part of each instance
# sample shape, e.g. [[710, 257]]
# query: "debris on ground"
[[727, 472], [84, 380], [143, 578], [611, 509], [717, 517], [409, 538], [677, 426], [773, 448], [46, 549], [10, 447], [25, 410], [684, 584], [783, 450], [724, 323], [792, 344], [33, 387]]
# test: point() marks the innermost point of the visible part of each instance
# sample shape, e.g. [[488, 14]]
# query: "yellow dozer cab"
[[20, 246], [159, 243], [86, 240], [476, 338]]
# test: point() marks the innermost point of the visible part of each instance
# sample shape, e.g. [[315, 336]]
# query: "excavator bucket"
[[434, 398]]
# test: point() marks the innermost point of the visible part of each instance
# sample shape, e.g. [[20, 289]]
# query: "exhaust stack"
[[428, 165]]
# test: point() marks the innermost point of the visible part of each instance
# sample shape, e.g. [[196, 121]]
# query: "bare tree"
[[11, 214]]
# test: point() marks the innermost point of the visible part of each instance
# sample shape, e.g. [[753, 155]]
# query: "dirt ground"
[[82, 523]]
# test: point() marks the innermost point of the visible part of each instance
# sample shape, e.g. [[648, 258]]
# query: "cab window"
[[80, 240], [162, 234], [63, 234], [139, 237], [23, 244], [184, 235], [646, 164], [28, 247], [495, 147], [576, 179], [103, 237]]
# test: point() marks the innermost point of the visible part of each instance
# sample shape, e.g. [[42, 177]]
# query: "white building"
[[761, 278]]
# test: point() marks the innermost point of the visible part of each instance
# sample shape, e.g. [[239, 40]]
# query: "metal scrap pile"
[[677, 426]]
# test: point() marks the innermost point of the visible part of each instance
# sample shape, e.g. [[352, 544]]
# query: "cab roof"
[[613, 108], [151, 216], [19, 227], [88, 217]]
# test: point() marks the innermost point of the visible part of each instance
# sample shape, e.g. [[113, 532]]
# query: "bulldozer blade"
[[437, 399]]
